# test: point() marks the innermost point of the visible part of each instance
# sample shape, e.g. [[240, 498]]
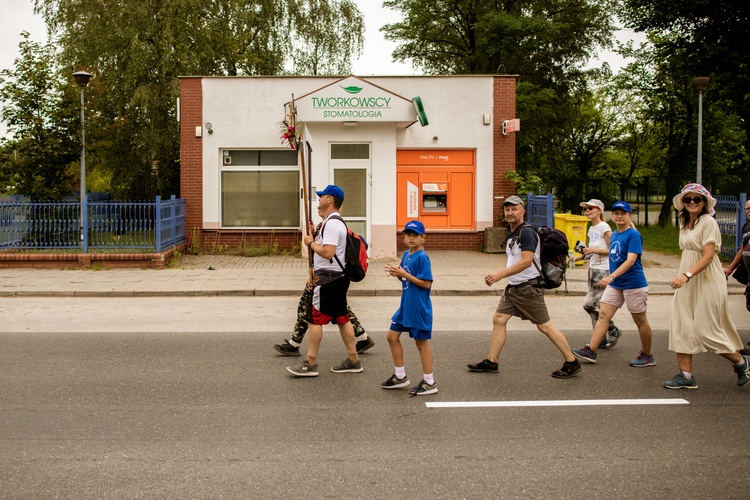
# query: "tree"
[[41, 110], [327, 35], [712, 38], [136, 49], [545, 42]]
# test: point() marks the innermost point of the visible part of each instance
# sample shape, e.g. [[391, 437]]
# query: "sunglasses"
[[692, 199], [589, 208]]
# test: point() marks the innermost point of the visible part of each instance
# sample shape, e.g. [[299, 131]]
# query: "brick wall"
[[213, 240], [191, 151], [473, 241], [504, 156]]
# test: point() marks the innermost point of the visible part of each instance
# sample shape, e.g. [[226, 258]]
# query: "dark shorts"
[[526, 302], [414, 333], [328, 303]]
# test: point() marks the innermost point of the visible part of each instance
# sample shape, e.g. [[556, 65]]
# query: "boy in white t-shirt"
[[598, 255]]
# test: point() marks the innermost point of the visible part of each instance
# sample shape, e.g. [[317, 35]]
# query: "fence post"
[[550, 210], [85, 224], [157, 236], [741, 218], [173, 220]]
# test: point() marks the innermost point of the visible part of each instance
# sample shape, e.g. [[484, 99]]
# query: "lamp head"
[[82, 78], [701, 83]]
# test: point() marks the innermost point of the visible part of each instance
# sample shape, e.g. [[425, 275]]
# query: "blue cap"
[[622, 205], [414, 226], [333, 190]]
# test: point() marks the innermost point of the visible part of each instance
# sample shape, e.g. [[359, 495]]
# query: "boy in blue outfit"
[[414, 315]]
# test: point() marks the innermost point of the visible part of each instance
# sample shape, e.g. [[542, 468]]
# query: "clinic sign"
[[354, 99]]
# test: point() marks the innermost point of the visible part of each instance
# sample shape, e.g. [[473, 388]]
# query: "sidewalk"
[[455, 273]]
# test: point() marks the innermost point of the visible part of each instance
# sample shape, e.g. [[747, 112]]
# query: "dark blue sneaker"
[[680, 382], [423, 389], [743, 372], [585, 354], [610, 338], [644, 359]]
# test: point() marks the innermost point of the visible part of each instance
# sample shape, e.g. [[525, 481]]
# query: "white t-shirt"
[[519, 240], [597, 242], [334, 234]]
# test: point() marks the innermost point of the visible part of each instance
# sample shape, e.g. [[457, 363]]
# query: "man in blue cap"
[[330, 285]]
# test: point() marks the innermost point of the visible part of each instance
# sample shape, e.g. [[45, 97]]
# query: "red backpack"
[[355, 255]]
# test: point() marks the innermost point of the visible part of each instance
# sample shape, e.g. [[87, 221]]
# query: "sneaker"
[[303, 370], [347, 367], [643, 360], [395, 383], [743, 374], [363, 345], [586, 354], [485, 366], [568, 369], [610, 339], [422, 389], [287, 349], [680, 382]]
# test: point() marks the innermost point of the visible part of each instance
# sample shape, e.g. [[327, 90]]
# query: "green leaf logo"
[[352, 89]]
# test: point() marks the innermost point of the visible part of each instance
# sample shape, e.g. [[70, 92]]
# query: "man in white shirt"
[[330, 286], [524, 295]]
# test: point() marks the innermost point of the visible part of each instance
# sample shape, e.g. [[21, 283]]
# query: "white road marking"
[[573, 402]]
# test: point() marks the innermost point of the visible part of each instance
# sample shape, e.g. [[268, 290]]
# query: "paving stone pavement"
[[455, 273]]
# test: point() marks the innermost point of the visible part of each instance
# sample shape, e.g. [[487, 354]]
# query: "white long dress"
[[700, 311]]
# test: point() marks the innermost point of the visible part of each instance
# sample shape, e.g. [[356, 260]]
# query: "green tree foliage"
[[327, 35], [710, 38], [546, 43], [40, 111], [661, 134], [136, 49]]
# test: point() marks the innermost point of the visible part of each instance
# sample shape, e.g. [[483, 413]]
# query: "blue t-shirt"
[[620, 245], [415, 310]]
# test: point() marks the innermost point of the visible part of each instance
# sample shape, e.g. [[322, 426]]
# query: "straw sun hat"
[[694, 189]]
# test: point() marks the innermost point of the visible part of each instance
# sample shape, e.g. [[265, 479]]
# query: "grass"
[[661, 239]]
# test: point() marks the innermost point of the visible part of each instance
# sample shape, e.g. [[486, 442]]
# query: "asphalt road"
[[118, 398]]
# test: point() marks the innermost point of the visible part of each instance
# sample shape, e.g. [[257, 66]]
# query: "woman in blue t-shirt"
[[626, 284]]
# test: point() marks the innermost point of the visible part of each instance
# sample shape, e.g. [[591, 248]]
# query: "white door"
[[350, 165]]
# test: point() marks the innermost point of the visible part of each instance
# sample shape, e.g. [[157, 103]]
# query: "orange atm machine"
[[436, 187]]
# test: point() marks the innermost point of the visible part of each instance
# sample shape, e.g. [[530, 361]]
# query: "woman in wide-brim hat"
[[700, 309]]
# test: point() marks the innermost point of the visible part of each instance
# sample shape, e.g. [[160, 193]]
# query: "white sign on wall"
[[354, 99], [412, 204]]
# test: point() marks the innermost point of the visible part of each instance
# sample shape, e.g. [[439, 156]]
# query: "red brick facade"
[[191, 152]]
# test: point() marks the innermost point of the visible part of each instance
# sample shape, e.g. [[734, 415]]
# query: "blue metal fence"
[[730, 215], [107, 225], [540, 210]]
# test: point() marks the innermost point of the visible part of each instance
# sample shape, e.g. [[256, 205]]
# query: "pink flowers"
[[289, 134]]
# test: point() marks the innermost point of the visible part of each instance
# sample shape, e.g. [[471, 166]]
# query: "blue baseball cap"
[[333, 190], [622, 205], [414, 226]]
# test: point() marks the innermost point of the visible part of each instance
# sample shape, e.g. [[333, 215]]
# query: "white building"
[[443, 163]]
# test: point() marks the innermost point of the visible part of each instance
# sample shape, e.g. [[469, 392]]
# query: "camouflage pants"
[[303, 315], [594, 296]]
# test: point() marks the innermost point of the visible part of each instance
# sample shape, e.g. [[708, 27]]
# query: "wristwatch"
[[688, 275]]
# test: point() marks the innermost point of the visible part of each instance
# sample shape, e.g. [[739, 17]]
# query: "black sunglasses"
[[692, 199]]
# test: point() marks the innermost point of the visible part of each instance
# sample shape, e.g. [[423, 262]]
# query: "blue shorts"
[[414, 333]]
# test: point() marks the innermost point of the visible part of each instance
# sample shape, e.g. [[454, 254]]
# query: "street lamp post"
[[82, 79], [701, 84]]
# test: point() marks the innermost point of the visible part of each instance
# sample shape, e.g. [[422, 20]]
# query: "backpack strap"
[[525, 225], [337, 217]]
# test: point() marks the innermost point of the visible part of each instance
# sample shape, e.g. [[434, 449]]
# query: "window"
[[260, 189]]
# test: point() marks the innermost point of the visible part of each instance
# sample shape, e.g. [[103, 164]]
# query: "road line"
[[573, 402]]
